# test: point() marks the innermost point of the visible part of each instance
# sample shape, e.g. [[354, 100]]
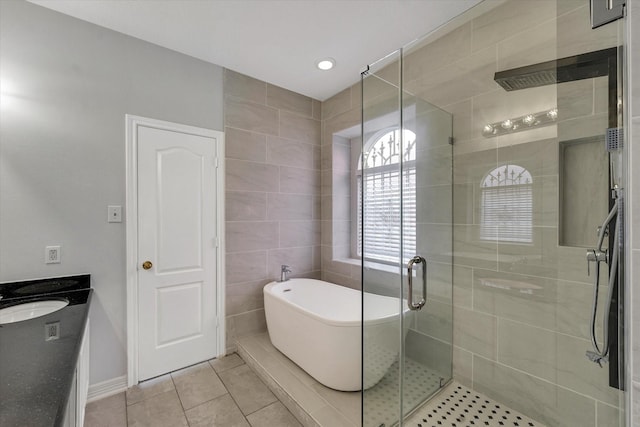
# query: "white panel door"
[[177, 319]]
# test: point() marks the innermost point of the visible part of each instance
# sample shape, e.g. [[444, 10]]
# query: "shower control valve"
[[599, 230], [595, 255]]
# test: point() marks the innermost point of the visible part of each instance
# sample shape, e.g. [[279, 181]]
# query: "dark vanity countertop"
[[36, 375]]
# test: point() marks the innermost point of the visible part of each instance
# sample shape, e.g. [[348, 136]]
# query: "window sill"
[[371, 265]]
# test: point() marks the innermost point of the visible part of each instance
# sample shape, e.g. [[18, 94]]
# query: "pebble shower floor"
[[458, 406]]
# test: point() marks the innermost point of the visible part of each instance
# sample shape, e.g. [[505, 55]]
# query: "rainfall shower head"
[[525, 79], [578, 67]]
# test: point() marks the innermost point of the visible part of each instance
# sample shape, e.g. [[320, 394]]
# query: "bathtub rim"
[[337, 323]]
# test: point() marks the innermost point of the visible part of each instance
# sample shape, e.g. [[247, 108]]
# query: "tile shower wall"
[[339, 114], [524, 345], [272, 194], [521, 311]]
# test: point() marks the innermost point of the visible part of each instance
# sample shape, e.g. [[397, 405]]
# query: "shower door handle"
[[417, 260]]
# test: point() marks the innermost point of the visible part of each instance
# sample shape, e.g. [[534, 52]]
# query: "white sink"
[[30, 310]]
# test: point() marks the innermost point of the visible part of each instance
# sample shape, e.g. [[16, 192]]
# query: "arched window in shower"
[[379, 177], [506, 205]]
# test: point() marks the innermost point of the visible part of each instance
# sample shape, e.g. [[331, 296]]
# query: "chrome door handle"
[[417, 260]]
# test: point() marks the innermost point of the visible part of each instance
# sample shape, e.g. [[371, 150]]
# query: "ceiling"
[[278, 41]]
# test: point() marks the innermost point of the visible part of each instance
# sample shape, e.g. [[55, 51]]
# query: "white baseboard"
[[107, 388]]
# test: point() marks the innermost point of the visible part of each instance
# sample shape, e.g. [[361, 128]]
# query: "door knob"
[[147, 265]]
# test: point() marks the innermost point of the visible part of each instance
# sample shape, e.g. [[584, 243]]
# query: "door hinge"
[[451, 140], [605, 11], [216, 242], [215, 162]]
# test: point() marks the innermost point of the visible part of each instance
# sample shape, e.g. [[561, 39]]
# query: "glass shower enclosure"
[[406, 189], [491, 157]]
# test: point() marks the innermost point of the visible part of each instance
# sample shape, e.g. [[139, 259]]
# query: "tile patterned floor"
[[319, 406], [380, 408], [459, 406], [261, 393], [219, 393]]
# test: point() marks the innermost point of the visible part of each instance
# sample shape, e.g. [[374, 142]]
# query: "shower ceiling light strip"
[[522, 123]]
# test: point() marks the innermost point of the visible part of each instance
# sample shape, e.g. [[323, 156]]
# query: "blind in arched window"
[[507, 205], [382, 185]]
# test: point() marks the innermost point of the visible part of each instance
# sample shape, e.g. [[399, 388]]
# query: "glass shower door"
[[405, 198], [427, 276]]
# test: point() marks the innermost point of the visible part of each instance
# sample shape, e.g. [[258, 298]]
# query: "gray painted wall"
[[67, 86]]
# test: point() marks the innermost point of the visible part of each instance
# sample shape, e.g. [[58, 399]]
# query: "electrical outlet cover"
[[52, 255]]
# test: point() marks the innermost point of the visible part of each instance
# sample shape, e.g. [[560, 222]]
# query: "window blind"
[[507, 205], [385, 198]]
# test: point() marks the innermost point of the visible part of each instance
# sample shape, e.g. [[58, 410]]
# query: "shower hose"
[[600, 353]]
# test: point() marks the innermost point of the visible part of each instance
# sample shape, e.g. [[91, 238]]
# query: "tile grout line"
[[175, 388], [231, 395], [295, 402]]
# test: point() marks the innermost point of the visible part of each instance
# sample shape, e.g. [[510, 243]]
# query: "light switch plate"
[[114, 213]]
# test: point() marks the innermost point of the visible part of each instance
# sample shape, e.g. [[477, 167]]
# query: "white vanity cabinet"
[[74, 416]]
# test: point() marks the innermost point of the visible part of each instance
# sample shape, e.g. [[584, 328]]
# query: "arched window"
[[507, 205], [380, 185]]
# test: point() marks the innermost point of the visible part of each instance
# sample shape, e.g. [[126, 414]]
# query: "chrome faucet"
[[284, 272]]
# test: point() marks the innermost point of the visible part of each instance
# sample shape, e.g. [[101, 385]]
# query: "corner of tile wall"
[[272, 193], [340, 112]]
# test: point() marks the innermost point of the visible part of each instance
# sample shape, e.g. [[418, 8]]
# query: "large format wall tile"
[[435, 320], [576, 372], [300, 181], [532, 46], [529, 349], [453, 46], [285, 99], [300, 128], [244, 145], [239, 270], [508, 19], [250, 176], [242, 297], [574, 37], [526, 299], [252, 117], [539, 399], [245, 87], [289, 207], [287, 152], [338, 103], [470, 75], [246, 206], [299, 259], [475, 332], [251, 235], [299, 233], [463, 366], [272, 193]]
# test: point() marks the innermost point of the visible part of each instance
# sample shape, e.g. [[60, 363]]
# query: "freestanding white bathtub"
[[318, 325]]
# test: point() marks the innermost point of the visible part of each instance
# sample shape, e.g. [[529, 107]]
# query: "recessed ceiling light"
[[326, 64]]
